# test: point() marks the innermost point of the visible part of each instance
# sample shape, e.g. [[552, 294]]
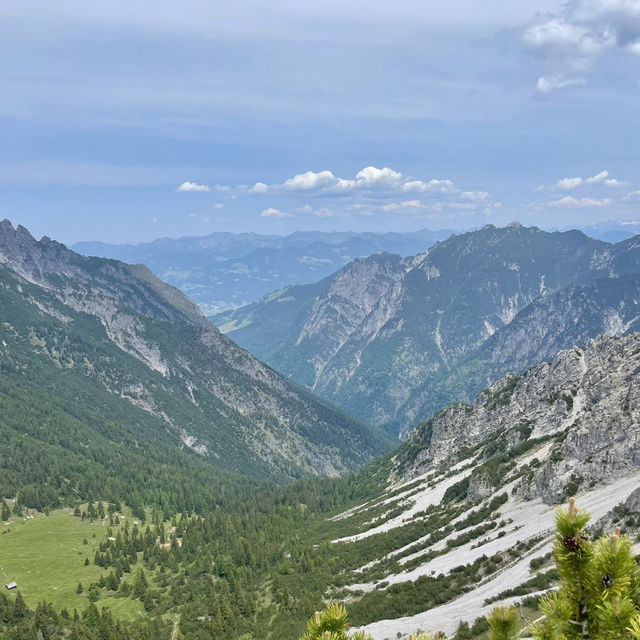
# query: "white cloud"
[[558, 36], [372, 190], [599, 177], [539, 188], [373, 177], [568, 184], [274, 213], [547, 84], [193, 186], [259, 187], [369, 178], [433, 186], [154, 220], [310, 180], [572, 42], [569, 202], [218, 205]]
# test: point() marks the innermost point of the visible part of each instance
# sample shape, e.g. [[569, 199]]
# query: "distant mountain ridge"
[[98, 323], [394, 339], [222, 270], [226, 270]]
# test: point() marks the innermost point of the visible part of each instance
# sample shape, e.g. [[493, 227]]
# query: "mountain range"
[[222, 271], [133, 346], [176, 449], [227, 270], [393, 339]]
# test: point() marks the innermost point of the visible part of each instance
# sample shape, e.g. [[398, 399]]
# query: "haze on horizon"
[[134, 120]]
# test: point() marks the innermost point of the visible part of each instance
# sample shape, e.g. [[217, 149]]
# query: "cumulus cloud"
[[367, 178], [433, 186], [192, 186], [571, 42], [569, 202], [568, 184], [373, 177], [370, 178], [310, 180], [375, 190], [274, 213], [259, 187], [599, 177]]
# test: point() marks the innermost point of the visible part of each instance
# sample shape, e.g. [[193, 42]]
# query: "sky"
[[131, 120]]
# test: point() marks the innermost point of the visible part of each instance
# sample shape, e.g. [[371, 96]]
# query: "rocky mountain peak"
[[392, 340], [586, 400]]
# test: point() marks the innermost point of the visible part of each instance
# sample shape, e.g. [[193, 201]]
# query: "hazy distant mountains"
[[136, 362], [393, 339], [226, 270]]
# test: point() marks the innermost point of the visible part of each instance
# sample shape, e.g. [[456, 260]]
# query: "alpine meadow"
[[320, 321]]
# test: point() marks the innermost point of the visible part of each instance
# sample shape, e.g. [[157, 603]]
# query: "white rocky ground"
[[585, 408], [535, 518]]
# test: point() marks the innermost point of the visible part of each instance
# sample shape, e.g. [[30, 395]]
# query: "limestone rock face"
[[588, 400]]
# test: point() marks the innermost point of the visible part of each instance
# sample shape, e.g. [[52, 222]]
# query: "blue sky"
[[126, 121]]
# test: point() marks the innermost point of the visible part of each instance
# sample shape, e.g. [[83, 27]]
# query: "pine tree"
[[331, 624], [599, 592], [6, 512], [503, 622]]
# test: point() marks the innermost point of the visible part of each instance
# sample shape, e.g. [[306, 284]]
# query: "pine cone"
[[607, 581], [572, 543]]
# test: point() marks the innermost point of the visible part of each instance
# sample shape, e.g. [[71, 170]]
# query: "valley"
[[320, 321], [260, 511]]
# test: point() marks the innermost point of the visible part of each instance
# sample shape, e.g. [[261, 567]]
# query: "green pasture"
[[46, 555]]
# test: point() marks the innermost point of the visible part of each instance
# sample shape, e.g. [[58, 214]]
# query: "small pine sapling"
[[503, 622]]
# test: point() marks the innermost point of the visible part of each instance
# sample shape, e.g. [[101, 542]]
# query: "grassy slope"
[[46, 555]]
